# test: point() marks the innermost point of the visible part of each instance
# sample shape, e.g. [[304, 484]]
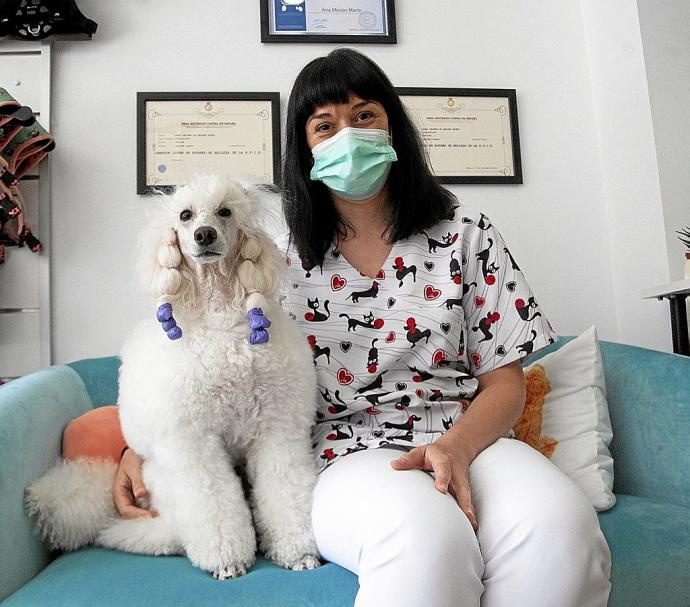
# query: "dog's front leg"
[[214, 519], [282, 472]]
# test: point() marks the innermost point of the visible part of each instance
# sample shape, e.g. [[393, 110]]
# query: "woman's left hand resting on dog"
[[494, 411], [129, 486]]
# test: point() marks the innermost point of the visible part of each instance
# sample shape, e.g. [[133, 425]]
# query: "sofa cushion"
[[575, 416], [650, 547], [94, 434], [95, 576]]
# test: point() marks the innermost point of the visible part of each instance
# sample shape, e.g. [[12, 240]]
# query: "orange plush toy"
[[94, 434], [528, 427]]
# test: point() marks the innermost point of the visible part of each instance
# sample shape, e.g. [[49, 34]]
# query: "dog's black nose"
[[205, 235]]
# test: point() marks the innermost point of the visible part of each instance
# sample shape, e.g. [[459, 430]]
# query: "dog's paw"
[[308, 561], [228, 573], [224, 560]]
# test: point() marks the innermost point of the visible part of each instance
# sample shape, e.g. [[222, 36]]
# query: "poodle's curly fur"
[[197, 407]]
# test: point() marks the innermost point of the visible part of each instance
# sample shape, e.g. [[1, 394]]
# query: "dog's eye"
[[223, 212], [186, 215]]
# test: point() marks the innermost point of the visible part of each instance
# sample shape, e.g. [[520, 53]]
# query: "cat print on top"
[[398, 354]]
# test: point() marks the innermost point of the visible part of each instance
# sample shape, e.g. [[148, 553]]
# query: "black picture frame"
[[144, 97], [390, 37], [510, 96]]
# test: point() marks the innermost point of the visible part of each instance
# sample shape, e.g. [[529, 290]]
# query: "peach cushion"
[[96, 433]]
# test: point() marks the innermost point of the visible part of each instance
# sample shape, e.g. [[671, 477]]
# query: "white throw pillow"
[[575, 415]]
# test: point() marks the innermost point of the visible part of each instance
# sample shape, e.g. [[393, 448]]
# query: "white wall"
[[631, 187], [557, 223], [666, 38]]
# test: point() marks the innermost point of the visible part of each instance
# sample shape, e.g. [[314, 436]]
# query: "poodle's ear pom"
[[257, 275], [160, 262], [253, 277], [251, 249], [169, 255], [261, 266], [166, 283], [255, 300]]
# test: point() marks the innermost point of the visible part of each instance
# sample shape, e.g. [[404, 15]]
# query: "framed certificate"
[[362, 21], [471, 135], [179, 134]]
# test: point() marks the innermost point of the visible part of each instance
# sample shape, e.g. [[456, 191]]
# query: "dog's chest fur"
[[225, 378], [212, 382]]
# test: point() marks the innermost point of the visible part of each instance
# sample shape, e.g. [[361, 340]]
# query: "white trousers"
[[539, 543]]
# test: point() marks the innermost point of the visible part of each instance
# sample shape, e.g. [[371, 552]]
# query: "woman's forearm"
[[493, 412]]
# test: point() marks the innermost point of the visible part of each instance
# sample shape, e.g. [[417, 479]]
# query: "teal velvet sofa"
[[648, 529]]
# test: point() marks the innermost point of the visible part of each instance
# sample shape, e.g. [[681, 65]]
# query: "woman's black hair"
[[416, 200]]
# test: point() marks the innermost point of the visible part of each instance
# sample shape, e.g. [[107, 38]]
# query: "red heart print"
[[431, 293], [438, 356], [479, 302], [344, 377], [476, 360], [337, 282], [390, 338], [380, 275], [419, 393]]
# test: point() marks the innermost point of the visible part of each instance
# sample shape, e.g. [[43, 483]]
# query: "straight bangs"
[[332, 79]]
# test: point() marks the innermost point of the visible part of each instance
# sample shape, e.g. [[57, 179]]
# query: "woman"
[[418, 317]]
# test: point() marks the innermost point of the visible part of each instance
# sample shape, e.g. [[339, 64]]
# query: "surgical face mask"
[[354, 163]]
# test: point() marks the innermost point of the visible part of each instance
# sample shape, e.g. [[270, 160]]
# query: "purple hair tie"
[[258, 323], [165, 317]]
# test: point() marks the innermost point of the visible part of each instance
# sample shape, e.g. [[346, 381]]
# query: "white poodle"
[[196, 406]]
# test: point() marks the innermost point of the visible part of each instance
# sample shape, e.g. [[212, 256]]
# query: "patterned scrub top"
[[397, 355]]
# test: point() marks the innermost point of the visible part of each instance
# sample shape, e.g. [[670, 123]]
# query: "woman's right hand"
[[129, 487]]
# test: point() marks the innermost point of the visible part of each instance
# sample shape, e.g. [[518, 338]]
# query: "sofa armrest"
[[34, 411], [649, 405], [648, 394]]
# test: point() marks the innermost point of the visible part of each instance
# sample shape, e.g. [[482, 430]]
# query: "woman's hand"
[[452, 470], [493, 412], [129, 487]]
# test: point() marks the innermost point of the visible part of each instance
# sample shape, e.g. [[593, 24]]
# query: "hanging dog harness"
[[23, 144]]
